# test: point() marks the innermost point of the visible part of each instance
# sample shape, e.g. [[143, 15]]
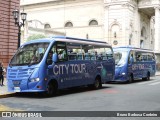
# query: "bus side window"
[[138, 58], [109, 53], [104, 56], [131, 59], [72, 56], [62, 51], [80, 56], [93, 56], [87, 56]]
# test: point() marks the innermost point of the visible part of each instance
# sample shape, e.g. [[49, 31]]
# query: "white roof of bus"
[[70, 40], [81, 41], [134, 48]]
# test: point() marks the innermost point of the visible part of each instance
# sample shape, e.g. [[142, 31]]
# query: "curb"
[[7, 95]]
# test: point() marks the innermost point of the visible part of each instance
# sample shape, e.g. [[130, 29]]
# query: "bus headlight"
[[34, 80], [123, 73]]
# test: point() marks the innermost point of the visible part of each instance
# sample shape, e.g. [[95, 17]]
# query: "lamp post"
[[16, 15]]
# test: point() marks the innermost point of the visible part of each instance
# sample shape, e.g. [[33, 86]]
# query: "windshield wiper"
[[30, 64]]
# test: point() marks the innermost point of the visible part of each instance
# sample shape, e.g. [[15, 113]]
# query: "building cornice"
[[124, 4], [52, 2]]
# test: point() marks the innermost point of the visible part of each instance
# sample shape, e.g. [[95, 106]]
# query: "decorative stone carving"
[[144, 3]]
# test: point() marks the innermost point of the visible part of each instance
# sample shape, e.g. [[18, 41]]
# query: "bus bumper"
[[23, 86], [120, 78]]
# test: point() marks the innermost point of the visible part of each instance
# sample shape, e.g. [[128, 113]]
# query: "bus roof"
[[79, 40], [70, 39], [134, 48]]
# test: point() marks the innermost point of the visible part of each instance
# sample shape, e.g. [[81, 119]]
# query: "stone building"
[[8, 30], [118, 22]]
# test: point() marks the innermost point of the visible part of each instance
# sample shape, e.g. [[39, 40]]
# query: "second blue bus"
[[133, 63]]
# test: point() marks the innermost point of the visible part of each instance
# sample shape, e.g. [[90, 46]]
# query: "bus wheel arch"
[[148, 76], [131, 78], [97, 83], [52, 87]]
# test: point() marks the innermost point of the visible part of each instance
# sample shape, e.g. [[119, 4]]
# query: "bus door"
[[135, 65], [110, 64], [105, 64], [131, 62], [138, 66], [58, 70]]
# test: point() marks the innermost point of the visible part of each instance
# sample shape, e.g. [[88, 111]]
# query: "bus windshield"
[[29, 54], [120, 57]]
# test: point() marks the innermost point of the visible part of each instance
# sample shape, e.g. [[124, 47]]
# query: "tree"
[[35, 36]]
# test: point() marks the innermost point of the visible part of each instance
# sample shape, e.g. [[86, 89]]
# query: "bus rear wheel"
[[148, 77], [97, 83]]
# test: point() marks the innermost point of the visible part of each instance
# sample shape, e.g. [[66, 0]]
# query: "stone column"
[[106, 24], [157, 29]]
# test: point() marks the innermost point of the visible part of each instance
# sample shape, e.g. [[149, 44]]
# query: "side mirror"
[[55, 58]]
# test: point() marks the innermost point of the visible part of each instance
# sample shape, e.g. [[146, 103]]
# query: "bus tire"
[[51, 89], [148, 76], [97, 83], [131, 79]]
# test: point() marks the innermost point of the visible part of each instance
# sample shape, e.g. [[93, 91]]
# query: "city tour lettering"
[[69, 68], [138, 67]]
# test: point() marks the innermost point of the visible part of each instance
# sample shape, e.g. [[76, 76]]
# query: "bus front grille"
[[22, 73]]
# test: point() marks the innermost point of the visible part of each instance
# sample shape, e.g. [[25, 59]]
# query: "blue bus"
[[47, 65], [133, 63]]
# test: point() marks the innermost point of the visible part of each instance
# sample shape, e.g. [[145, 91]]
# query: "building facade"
[[8, 30], [118, 22]]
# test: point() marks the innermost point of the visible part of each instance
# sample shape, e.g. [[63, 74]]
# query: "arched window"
[[69, 24], [93, 22], [143, 32], [141, 43], [47, 26], [115, 30]]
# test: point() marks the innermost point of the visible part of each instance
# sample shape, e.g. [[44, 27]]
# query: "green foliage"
[[35, 36]]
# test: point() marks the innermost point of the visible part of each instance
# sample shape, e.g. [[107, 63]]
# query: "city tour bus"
[[47, 65], [133, 63]]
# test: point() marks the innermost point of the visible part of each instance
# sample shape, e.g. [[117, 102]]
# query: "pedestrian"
[[1, 74]]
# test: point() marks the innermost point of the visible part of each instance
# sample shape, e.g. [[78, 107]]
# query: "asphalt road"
[[137, 96]]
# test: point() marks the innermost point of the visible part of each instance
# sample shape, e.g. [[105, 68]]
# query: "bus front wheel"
[[131, 79], [51, 89]]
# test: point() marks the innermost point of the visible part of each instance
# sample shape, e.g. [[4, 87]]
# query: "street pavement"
[[138, 96], [4, 90]]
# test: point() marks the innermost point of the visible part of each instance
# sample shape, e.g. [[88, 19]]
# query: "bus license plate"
[[17, 89]]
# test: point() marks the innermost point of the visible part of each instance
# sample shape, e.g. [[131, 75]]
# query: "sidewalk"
[[4, 90], [157, 73]]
